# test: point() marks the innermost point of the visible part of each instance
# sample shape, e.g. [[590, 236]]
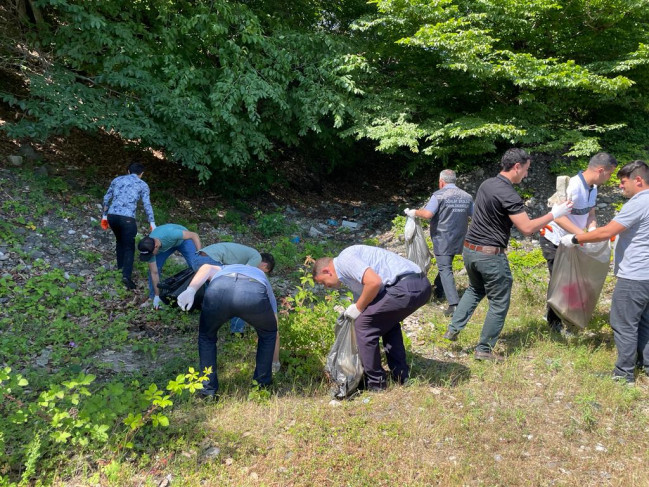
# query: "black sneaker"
[[450, 310], [130, 285]]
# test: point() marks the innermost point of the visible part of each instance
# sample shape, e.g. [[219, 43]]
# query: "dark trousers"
[[549, 251], [225, 298], [445, 278], [490, 276], [125, 229], [630, 322], [381, 320]]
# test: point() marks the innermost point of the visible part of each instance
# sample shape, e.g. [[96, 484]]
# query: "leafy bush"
[[70, 417]]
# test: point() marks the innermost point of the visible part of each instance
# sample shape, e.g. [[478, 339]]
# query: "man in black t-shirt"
[[497, 208]]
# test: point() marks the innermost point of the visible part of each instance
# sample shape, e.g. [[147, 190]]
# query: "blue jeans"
[[489, 275], [237, 325], [226, 297], [188, 251]]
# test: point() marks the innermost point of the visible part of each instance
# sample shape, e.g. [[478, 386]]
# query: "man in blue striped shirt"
[[123, 195]]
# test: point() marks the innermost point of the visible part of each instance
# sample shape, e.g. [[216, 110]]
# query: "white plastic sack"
[[416, 247], [343, 361], [578, 276]]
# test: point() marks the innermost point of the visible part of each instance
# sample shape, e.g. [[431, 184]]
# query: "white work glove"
[[157, 302], [566, 240], [410, 213], [186, 298], [561, 209], [352, 312], [152, 226], [275, 367]]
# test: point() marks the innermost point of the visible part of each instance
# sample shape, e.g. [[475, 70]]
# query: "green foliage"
[[457, 80], [307, 324], [207, 82], [71, 415], [270, 224]]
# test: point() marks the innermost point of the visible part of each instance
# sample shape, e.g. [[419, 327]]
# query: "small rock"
[[211, 452], [254, 476], [498, 458], [229, 461], [44, 357], [84, 236], [599, 447], [15, 160], [4, 256], [71, 232], [334, 404]]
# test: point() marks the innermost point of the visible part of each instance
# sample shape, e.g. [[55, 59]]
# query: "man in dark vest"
[[448, 210]]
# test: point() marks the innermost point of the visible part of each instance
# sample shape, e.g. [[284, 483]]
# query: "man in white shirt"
[[582, 190]]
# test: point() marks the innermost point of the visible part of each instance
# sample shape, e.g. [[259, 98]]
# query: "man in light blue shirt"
[[630, 304], [387, 288], [233, 253], [234, 290]]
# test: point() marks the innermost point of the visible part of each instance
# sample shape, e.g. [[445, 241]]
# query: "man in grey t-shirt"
[[448, 210], [630, 304], [386, 288]]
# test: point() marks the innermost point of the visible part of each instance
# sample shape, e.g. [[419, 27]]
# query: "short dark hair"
[[512, 156], [135, 168], [269, 260], [320, 264], [146, 247], [633, 169], [602, 159]]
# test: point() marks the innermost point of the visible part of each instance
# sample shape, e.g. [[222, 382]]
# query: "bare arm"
[[602, 233], [424, 213], [592, 221], [371, 286], [527, 226], [155, 278], [193, 236], [205, 273], [565, 223]]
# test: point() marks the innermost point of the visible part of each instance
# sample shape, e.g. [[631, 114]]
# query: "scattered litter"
[[314, 232], [332, 222], [350, 224]]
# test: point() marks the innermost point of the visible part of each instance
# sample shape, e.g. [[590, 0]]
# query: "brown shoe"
[[490, 356]]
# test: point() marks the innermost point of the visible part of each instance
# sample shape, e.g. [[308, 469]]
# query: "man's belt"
[[485, 249], [410, 275]]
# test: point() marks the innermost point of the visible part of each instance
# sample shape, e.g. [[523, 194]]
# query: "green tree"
[[204, 81], [458, 79]]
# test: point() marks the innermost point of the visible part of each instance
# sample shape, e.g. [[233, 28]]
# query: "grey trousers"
[[446, 279], [630, 322], [490, 276]]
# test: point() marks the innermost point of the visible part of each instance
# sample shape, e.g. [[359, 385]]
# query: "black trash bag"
[[173, 286], [343, 365]]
